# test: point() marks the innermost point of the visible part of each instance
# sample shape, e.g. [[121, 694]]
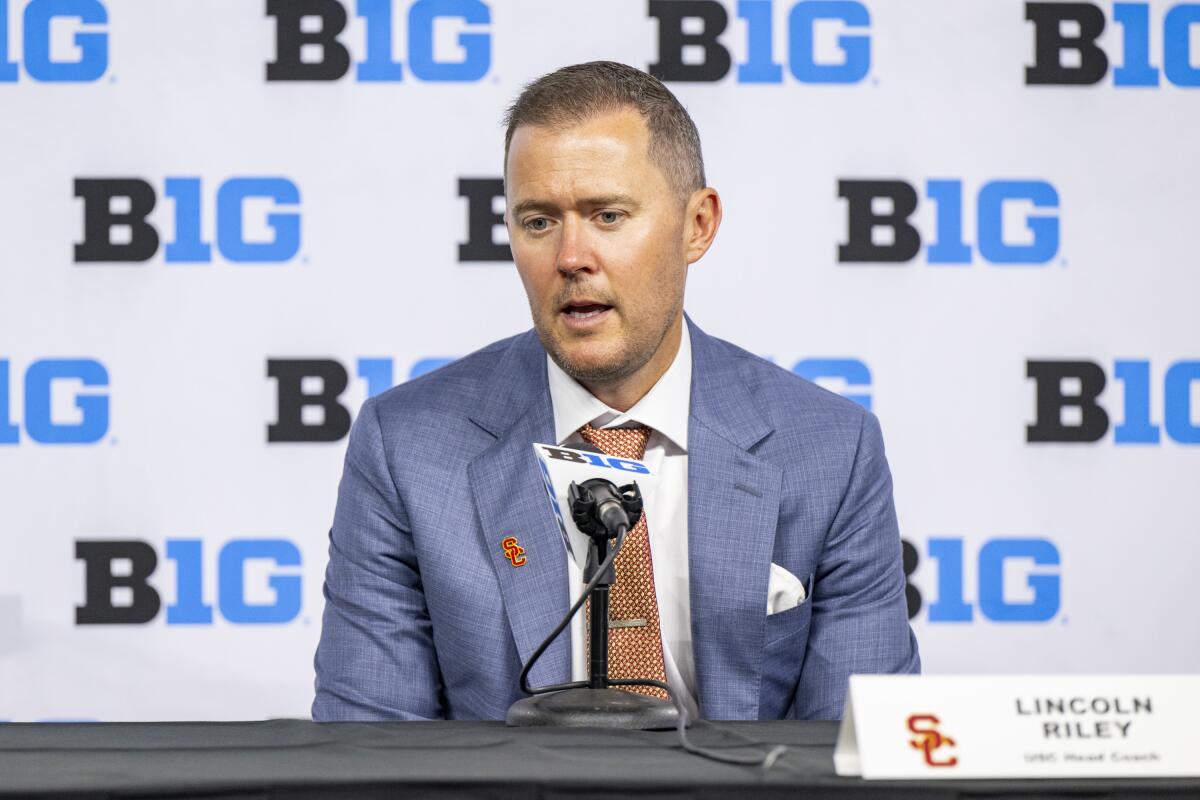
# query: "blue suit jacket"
[[425, 617]]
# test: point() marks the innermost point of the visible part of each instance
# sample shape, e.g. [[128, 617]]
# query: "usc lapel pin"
[[513, 551]]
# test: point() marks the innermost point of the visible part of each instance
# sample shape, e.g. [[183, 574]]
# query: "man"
[[767, 567]]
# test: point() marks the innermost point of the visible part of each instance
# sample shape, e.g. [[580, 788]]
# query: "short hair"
[[574, 94]]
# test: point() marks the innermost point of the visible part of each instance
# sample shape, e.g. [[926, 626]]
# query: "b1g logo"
[[85, 60], [1068, 402], [86, 421], [309, 391], [689, 46], [117, 588], [1067, 52], [879, 227], [116, 226], [1039, 557], [308, 48]]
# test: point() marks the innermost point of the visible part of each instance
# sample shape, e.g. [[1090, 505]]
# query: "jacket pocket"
[[789, 623]]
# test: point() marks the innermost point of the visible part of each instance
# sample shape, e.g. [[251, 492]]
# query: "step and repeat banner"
[[225, 223]]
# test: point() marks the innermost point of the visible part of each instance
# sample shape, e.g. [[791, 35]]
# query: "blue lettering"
[[1177, 56], [231, 591], [188, 246], [286, 227], [189, 608], [476, 47], [39, 379], [9, 433], [1134, 18], [379, 66], [949, 247], [992, 198], [93, 46], [1178, 400], [1045, 602], [1136, 428], [949, 606], [759, 66], [856, 49]]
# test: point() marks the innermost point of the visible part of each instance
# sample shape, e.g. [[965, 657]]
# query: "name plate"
[[1019, 726]]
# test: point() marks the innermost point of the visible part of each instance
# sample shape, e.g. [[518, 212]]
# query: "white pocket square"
[[784, 591]]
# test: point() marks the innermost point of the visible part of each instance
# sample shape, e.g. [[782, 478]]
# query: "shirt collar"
[[664, 408]]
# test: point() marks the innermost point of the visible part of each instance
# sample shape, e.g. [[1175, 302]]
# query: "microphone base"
[[593, 708]]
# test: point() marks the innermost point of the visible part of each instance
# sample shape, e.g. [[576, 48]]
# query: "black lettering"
[[863, 220], [1048, 425], [290, 38], [1049, 44], [911, 593], [99, 220], [672, 40], [290, 426], [481, 244], [565, 455], [99, 581]]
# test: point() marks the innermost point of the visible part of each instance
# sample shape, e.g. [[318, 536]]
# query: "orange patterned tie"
[[634, 651]]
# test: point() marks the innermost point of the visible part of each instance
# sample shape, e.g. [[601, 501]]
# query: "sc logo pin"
[[513, 551]]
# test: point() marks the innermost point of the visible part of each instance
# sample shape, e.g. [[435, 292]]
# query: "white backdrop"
[[177, 446]]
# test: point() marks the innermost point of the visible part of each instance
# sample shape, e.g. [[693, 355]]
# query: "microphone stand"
[[602, 511]]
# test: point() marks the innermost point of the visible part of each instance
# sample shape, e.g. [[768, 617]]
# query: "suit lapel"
[[510, 500], [733, 509]]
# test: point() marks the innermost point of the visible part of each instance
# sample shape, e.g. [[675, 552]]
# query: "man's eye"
[[537, 224], [610, 217]]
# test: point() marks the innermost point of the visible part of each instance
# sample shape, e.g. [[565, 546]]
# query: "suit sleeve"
[[375, 660], [860, 614]]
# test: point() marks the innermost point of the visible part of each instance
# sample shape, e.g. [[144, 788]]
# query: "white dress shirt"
[[664, 409]]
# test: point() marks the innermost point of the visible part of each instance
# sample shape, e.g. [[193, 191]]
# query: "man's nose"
[[574, 250]]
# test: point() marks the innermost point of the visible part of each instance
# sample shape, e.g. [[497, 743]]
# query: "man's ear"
[[701, 223]]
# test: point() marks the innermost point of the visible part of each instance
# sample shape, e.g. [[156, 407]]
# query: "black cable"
[[566, 620], [764, 762]]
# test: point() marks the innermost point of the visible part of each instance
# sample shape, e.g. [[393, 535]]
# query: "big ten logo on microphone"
[[65, 401], [1014, 580], [255, 582], [1070, 51], [255, 220], [62, 41], [1016, 222], [446, 40], [825, 41], [1068, 405], [311, 402]]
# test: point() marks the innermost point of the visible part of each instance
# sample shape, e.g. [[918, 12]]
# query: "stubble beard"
[[638, 349]]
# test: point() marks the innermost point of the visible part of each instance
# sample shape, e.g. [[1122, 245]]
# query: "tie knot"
[[619, 442]]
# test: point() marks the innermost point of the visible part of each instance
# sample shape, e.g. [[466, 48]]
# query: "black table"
[[301, 759]]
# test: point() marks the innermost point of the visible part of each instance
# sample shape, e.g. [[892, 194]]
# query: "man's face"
[[598, 238]]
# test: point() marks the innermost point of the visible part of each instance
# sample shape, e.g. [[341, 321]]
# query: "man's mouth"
[[584, 310]]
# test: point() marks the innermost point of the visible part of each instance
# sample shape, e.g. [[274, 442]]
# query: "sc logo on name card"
[[1037, 559], [85, 59], [1067, 50], [826, 41], [880, 230], [117, 588], [66, 401], [309, 42], [116, 226], [1068, 409]]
